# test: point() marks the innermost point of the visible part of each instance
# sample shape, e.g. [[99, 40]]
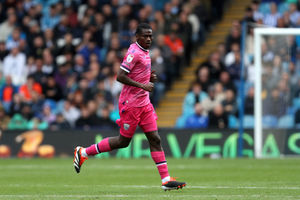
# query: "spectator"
[[17, 105], [60, 123], [294, 15], [80, 65], [62, 74], [47, 114], [272, 18], [197, 120], [249, 102], [66, 45], [186, 36], [235, 68], [176, 46], [230, 56], [274, 104], [50, 20], [229, 103], [211, 101], [30, 66], [39, 76], [214, 65], [17, 122], [16, 39], [26, 112], [87, 120], [257, 15], [48, 67], [37, 49], [3, 53], [62, 27], [7, 27], [29, 88], [90, 49], [52, 90], [218, 118], [168, 59], [105, 122], [4, 119], [70, 113], [14, 66], [196, 95], [158, 64], [7, 92], [227, 82], [49, 39], [233, 37], [203, 77]]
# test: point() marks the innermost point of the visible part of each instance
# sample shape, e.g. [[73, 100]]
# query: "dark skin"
[[144, 39]]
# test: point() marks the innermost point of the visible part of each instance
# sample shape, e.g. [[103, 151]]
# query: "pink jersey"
[[137, 63]]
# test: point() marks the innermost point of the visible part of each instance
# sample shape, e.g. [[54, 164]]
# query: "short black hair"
[[142, 26]]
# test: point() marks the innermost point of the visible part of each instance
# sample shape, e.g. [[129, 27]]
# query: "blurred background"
[[59, 60]]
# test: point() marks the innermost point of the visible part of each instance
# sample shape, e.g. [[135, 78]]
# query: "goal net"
[[275, 74]]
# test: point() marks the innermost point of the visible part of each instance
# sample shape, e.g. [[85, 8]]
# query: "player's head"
[[144, 35]]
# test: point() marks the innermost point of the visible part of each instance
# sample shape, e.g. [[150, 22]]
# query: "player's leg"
[[127, 123], [149, 126], [107, 144], [158, 156]]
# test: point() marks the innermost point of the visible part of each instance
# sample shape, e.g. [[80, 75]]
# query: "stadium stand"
[[281, 79], [59, 59]]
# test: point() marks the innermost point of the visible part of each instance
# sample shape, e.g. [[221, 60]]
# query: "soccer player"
[[135, 109]]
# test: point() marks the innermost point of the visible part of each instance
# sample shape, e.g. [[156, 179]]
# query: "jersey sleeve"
[[129, 62]]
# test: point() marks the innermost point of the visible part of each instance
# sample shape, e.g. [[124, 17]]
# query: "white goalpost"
[[259, 33]]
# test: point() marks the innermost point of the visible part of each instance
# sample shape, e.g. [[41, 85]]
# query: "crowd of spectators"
[[59, 59], [213, 99]]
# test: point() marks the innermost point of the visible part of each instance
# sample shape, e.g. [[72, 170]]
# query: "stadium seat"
[[247, 86], [180, 122], [296, 103], [233, 121], [290, 110], [264, 8], [269, 121], [286, 121], [297, 126], [283, 7], [51, 103], [248, 121], [60, 106]]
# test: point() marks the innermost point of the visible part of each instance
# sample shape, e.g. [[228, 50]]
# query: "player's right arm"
[[122, 77]]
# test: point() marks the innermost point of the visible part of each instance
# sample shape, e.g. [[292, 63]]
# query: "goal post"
[[259, 33]]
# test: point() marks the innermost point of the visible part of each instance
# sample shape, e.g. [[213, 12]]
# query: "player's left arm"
[[122, 77]]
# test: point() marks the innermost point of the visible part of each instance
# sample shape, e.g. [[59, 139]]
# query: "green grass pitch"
[[228, 179]]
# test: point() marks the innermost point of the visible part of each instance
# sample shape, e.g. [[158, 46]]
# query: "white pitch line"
[[143, 196], [156, 186]]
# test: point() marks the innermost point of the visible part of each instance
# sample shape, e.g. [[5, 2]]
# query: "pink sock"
[[161, 163], [102, 146]]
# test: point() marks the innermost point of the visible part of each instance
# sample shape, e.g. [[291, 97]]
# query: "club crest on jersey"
[[126, 126], [129, 58]]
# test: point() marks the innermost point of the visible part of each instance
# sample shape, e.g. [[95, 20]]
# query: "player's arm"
[[123, 78]]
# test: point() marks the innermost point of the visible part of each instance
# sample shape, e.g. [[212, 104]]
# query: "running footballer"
[[135, 109]]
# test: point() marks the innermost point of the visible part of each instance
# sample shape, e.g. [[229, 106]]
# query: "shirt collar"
[[141, 47]]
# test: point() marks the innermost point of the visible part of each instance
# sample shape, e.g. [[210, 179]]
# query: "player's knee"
[[155, 140], [123, 143]]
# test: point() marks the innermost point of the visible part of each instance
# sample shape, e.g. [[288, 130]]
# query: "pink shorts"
[[144, 116]]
